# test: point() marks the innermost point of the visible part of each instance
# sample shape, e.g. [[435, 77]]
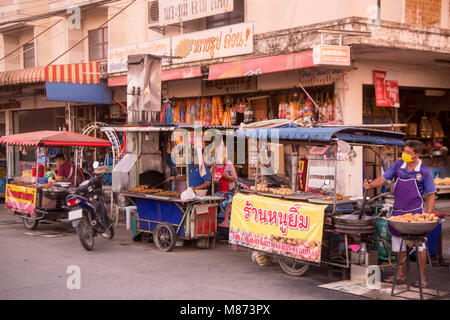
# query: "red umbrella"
[[54, 138]]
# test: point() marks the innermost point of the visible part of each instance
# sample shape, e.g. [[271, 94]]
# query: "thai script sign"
[[175, 11], [287, 228], [20, 199]]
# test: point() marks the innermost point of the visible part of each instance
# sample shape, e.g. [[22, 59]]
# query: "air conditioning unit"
[[153, 13]]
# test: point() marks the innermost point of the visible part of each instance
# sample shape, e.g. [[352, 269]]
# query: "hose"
[[390, 251]]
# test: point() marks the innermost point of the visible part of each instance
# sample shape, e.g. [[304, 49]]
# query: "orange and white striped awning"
[[28, 75], [81, 73]]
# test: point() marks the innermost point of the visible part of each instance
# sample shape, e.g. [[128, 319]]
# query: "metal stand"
[[416, 241]]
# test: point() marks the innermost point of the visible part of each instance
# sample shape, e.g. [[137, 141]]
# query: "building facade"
[[251, 50]]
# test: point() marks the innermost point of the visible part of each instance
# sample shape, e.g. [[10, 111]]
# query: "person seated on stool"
[[414, 182]]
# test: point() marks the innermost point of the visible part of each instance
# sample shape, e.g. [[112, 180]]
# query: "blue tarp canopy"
[[75, 92], [326, 134]]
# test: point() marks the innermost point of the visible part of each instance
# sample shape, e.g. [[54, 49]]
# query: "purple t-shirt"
[[422, 173]]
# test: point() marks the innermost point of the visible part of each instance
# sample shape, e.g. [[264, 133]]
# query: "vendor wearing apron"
[[224, 176], [413, 182]]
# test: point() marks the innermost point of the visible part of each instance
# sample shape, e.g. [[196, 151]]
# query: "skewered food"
[[168, 194], [416, 218], [144, 189]]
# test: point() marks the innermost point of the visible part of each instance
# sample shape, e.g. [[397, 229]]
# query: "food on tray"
[[139, 189], [416, 218], [442, 182], [154, 190], [144, 189], [339, 197], [282, 191], [168, 194], [260, 187]]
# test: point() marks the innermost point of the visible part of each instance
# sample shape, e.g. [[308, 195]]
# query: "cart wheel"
[[293, 267], [86, 235], [30, 222], [164, 237], [146, 237]]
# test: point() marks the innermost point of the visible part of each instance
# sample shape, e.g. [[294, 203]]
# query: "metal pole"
[[75, 166], [37, 165], [70, 116], [335, 179], [378, 12], [138, 150]]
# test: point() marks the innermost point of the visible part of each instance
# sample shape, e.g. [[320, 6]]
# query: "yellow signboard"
[[288, 228], [20, 199]]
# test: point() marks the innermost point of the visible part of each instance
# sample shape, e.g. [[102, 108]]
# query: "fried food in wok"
[[416, 218]]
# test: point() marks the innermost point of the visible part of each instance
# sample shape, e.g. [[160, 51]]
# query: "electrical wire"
[[45, 14], [31, 39], [85, 37], [46, 40]]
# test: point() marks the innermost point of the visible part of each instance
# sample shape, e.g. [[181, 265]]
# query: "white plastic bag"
[[187, 195]]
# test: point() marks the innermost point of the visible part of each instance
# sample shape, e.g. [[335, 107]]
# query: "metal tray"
[[413, 229], [331, 202], [353, 219]]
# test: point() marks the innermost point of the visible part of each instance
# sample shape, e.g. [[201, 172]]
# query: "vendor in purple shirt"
[[66, 170], [413, 183]]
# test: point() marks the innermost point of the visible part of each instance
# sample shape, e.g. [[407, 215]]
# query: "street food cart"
[[35, 201], [301, 227], [161, 212]]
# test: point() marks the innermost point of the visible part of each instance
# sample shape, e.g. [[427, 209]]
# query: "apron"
[[407, 198], [218, 173]]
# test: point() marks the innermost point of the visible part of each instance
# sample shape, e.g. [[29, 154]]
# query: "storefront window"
[[28, 55]]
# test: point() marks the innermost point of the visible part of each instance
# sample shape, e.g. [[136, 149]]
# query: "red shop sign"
[[386, 89]]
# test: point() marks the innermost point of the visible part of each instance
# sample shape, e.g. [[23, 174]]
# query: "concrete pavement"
[[34, 266]]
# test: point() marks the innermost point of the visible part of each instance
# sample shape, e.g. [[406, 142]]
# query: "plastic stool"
[[127, 214]]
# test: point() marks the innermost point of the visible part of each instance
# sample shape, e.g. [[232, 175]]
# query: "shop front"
[[415, 101]]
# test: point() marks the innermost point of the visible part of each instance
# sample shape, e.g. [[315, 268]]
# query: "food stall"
[[35, 198], [162, 212], [303, 227]]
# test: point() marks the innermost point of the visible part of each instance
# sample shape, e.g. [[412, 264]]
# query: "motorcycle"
[[87, 211]]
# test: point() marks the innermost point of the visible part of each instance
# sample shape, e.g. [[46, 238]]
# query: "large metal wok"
[[413, 229], [357, 222]]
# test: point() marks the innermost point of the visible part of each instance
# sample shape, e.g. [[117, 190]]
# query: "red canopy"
[[54, 138]]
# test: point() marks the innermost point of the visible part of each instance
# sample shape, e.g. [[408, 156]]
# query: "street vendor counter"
[[35, 203], [192, 219]]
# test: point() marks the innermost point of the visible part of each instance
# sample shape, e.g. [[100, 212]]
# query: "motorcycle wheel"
[[164, 237], [86, 235], [293, 267], [109, 233], [30, 222]]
